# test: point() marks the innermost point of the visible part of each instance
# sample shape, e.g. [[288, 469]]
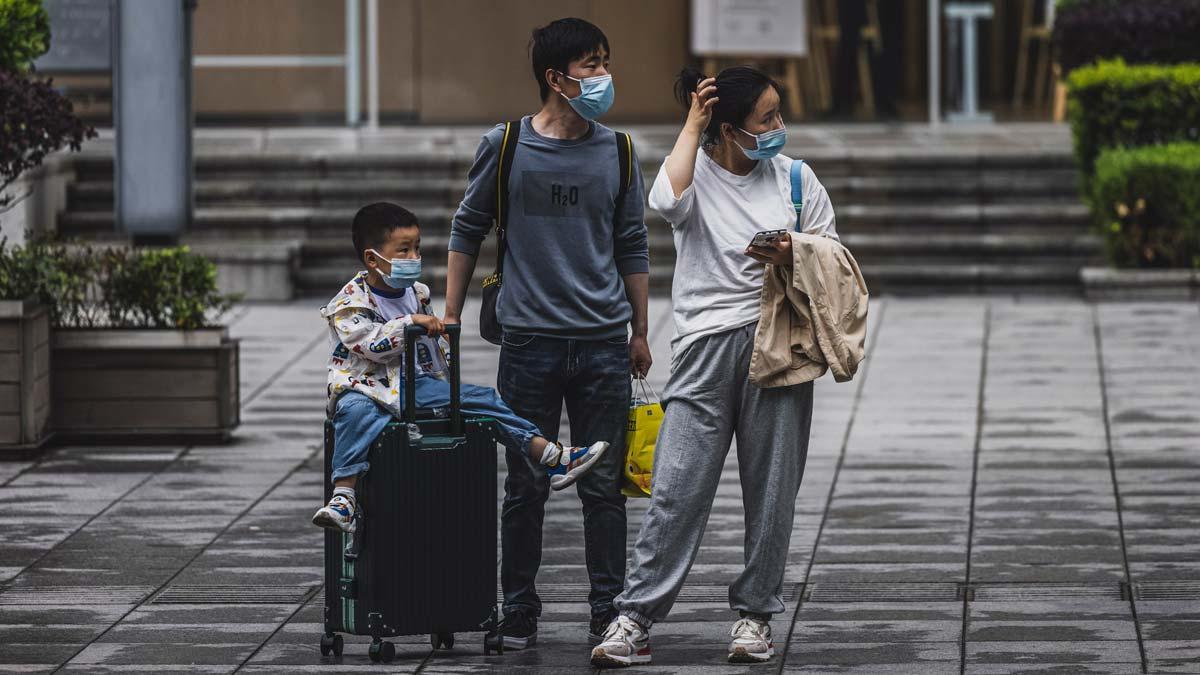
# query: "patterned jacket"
[[368, 352]]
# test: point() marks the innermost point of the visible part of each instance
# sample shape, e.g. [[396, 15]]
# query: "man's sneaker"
[[625, 643], [338, 514], [600, 625], [751, 641], [519, 629], [574, 463]]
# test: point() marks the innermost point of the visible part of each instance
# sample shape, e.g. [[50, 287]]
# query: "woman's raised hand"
[[703, 100]]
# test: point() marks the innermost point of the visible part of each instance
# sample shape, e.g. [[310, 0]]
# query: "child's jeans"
[[359, 419]]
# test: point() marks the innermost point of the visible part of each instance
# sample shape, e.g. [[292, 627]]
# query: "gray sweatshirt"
[[567, 253]]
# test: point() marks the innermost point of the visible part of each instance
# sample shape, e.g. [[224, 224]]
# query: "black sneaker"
[[600, 625], [519, 629]]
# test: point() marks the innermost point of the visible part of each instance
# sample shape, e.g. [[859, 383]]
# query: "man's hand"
[[639, 355], [778, 253], [431, 324]]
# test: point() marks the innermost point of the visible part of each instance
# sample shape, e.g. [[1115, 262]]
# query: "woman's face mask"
[[595, 95], [767, 144], [403, 272]]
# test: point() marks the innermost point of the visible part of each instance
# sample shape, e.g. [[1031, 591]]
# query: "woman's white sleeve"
[[817, 216], [662, 199]]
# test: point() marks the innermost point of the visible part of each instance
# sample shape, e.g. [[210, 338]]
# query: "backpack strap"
[[508, 150], [625, 164], [798, 189]]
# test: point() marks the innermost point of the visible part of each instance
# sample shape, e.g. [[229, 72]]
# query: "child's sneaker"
[[625, 643], [574, 463], [751, 641], [339, 514]]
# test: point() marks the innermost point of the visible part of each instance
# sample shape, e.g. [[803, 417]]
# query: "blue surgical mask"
[[768, 144], [404, 271], [595, 96]]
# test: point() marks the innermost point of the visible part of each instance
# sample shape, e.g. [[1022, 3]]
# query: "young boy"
[[367, 320]]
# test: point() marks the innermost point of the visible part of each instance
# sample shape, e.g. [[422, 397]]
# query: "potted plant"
[[139, 354]]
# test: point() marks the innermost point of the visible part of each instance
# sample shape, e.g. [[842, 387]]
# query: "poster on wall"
[[749, 27]]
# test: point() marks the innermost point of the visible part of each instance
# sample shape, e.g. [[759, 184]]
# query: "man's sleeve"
[[477, 211], [630, 249]]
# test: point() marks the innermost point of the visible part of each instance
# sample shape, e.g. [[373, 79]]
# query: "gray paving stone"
[[1064, 652]]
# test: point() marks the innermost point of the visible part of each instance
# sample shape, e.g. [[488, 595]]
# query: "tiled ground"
[[959, 513]]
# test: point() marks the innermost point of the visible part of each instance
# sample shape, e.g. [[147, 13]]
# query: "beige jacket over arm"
[[813, 317]]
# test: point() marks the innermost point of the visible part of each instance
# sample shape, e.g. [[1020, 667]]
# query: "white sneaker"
[[625, 643], [338, 514], [574, 463], [751, 641]]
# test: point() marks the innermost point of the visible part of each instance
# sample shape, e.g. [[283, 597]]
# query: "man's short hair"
[[558, 43], [374, 222]]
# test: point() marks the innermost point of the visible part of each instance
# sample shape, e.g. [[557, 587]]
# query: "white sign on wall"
[[750, 27]]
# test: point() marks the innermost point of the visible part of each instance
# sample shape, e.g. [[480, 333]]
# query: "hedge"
[[24, 33], [1113, 104], [1139, 31], [1147, 202]]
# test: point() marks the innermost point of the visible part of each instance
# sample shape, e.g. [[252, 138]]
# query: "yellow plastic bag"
[[645, 416]]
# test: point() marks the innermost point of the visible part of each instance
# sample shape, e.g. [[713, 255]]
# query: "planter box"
[[1103, 284], [24, 378], [120, 385]]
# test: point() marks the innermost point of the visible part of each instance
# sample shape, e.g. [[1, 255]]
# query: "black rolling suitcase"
[[423, 556]]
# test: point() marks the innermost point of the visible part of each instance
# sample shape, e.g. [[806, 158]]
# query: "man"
[[576, 274]]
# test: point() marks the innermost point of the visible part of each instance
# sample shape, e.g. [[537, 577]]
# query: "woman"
[[723, 182]]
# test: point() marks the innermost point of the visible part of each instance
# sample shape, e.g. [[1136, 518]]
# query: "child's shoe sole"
[[562, 481], [323, 519]]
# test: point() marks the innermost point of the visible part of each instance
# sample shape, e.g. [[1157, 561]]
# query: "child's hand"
[[431, 324]]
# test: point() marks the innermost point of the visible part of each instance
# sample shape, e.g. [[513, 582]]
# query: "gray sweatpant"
[[709, 400]]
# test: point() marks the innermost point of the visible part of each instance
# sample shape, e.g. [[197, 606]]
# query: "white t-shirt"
[[716, 287], [395, 304]]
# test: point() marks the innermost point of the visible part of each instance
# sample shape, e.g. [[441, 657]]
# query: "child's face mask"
[[403, 272]]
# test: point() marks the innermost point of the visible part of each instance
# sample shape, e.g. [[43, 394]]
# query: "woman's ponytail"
[[685, 85]]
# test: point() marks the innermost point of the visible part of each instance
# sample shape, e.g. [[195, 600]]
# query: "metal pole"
[[352, 73], [373, 64], [970, 68], [153, 119], [935, 63]]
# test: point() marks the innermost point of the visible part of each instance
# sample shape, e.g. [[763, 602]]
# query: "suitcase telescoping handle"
[[454, 331]]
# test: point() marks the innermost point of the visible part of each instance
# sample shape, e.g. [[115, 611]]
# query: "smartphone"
[[767, 237]]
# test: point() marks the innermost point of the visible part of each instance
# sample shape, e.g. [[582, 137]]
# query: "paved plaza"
[[1008, 485]]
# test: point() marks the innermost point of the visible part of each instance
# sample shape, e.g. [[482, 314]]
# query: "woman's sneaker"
[[751, 641], [574, 463], [339, 514], [625, 643]]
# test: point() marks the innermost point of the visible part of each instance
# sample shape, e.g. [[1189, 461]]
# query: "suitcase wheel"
[[442, 640], [492, 642], [331, 643], [382, 651]]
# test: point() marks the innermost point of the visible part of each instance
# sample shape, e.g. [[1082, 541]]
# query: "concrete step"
[[929, 219], [317, 164], [342, 192], [1055, 186], [1005, 278]]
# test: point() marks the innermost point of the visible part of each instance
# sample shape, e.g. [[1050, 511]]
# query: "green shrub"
[[1147, 201], [1113, 104], [86, 287], [24, 33]]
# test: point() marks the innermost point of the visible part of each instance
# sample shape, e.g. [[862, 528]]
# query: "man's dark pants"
[[536, 375]]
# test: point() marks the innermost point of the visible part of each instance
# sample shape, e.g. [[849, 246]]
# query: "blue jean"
[[359, 419], [536, 375]]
